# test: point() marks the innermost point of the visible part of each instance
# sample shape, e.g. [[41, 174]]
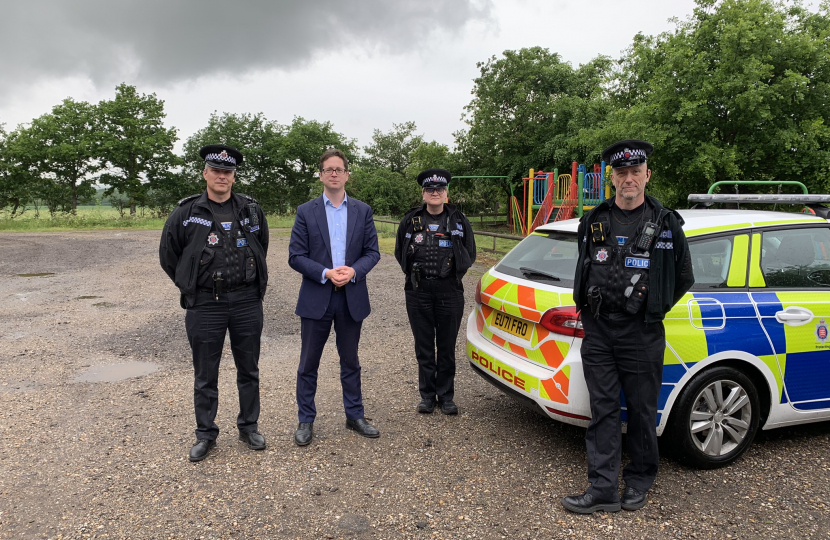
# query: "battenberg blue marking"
[[198, 221], [665, 392], [255, 228], [665, 234], [768, 305], [433, 227], [807, 375], [227, 225], [621, 240], [742, 329], [672, 373], [241, 242], [812, 405]]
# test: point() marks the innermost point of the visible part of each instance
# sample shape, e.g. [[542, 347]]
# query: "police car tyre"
[[715, 418]]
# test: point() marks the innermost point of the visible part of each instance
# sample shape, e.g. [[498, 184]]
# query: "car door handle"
[[794, 316]]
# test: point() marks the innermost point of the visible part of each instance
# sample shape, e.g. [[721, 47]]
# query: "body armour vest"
[[226, 251], [618, 268], [431, 246]]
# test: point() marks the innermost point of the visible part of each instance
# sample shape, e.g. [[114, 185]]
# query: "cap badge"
[[602, 255], [213, 239], [224, 153]]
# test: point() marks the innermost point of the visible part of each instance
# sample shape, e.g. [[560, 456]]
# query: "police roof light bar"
[[761, 199]]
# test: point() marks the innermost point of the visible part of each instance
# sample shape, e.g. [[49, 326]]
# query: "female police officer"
[[435, 247]]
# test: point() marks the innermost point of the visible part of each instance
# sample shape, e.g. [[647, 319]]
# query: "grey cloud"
[[165, 41]]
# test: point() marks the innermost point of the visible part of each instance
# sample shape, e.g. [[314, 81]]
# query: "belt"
[[210, 290], [338, 288]]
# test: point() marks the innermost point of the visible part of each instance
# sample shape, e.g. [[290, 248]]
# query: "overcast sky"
[[360, 64]]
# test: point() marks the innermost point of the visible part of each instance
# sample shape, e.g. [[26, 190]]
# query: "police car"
[[747, 348]]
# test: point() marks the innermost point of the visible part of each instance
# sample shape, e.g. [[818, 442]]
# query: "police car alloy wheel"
[[716, 418]]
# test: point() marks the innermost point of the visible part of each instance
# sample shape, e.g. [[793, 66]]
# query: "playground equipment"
[[555, 197]]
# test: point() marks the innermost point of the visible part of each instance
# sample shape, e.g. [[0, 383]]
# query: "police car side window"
[[797, 258], [710, 260]]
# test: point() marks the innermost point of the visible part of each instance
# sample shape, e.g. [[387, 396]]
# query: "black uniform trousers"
[[240, 314], [622, 351], [313, 334], [435, 309]]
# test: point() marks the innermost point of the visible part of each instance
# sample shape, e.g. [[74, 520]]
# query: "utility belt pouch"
[[636, 294], [594, 298], [217, 285], [415, 275]]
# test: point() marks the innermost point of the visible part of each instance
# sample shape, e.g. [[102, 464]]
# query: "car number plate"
[[512, 325]]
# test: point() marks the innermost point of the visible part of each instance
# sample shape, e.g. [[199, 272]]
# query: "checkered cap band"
[[628, 154], [224, 156], [435, 181]]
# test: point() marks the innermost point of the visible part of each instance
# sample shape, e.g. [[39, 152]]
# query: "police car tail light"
[[478, 292], [563, 320]]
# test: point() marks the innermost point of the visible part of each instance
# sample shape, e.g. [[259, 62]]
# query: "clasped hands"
[[340, 275]]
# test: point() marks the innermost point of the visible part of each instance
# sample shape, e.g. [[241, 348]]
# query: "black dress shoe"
[[426, 406], [363, 428], [633, 498], [449, 407], [201, 449], [253, 439], [305, 430], [588, 504]]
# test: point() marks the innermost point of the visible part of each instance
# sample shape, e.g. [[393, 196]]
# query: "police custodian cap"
[[434, 178], [627, 153], [220, 156]]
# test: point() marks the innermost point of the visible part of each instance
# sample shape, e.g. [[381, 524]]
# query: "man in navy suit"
[[334, 244]]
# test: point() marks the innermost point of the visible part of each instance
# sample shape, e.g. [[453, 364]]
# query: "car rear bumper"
[[559, 393]]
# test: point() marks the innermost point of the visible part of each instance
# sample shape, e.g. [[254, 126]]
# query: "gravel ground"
[[109, 459]]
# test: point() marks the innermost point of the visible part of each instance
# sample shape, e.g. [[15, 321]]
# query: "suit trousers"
[[314, 334], [435, 310], [238, 313], [622, 352]]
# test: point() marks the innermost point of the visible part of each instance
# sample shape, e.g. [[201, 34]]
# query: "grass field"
[[106, 217]]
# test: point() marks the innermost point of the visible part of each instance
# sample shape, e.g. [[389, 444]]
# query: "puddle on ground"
[[37, 275], [103, 304], [116, 372], [86, 297]]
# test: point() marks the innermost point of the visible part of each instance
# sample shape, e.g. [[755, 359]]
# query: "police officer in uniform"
[[213, 247], [435, 247], [634, 265]]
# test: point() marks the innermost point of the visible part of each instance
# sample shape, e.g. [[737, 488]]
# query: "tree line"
[[738, 91]]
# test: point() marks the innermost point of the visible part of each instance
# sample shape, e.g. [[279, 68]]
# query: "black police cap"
[[434, 178], [220, 156], [627, 153]]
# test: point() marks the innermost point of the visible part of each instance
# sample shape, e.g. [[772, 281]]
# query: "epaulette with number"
[[190, 198], [248, 197]]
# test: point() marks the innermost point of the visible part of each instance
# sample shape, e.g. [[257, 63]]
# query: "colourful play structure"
[[554, 197]]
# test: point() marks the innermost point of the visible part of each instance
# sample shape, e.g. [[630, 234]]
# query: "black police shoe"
[[253, 439], [588, 504], [633, 498], [426, 406], [201, 449], [449, 407], [305, 430], [363, 428]]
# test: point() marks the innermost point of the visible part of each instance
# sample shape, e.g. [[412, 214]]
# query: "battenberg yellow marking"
[[719, 228], [773, 366], [789, 222], [688, 342], [737, 266], [756, 276]]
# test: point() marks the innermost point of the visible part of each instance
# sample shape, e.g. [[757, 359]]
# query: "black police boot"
[[449, 407], [426, 406], [201, 449], [588, 504], [633, 498], [253, 439], [363, 428], [304, 433]]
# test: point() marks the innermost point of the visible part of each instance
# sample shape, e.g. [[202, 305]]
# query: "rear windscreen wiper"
[[527, 272]]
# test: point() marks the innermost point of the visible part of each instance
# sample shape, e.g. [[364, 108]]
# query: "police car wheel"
[[715, 418]]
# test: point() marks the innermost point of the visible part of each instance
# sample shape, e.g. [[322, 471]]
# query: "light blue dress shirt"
[[338, 219]]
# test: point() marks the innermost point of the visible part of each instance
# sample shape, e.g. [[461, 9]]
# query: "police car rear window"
[[553, 255]]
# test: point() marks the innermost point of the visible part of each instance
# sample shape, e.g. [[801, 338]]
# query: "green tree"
[[392, 150], [136, 147], [389, 193], [739, 91], [17, 182], [59, 147]]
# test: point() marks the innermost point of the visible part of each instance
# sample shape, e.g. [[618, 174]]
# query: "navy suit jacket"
[[309, 253]]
